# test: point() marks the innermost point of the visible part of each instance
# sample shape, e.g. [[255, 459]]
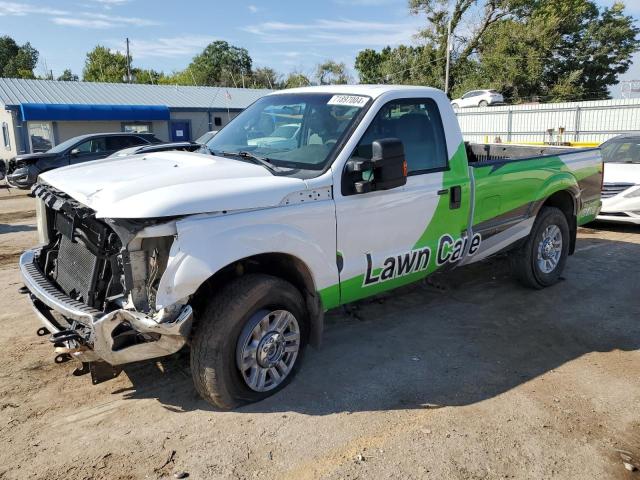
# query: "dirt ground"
[[468, 377]]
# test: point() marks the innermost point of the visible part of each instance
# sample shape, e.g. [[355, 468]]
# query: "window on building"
[[5, 135], [137, 127], [40, 136], [217, 121]]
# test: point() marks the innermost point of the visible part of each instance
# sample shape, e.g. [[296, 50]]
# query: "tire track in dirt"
[[16, 216]]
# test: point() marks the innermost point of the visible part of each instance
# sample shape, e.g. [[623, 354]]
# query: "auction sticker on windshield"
[[348, 100]]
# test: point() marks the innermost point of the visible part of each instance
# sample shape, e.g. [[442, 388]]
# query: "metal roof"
[[14, 91]]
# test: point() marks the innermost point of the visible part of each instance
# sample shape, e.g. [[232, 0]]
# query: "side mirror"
[[75, 152], [386, 169]]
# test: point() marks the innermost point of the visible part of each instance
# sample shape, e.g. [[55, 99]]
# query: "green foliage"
[[104, 65], [220, 64], [527, 49], [17, 61], [265, 77], [68, 76], [295, 80], [332, 73]]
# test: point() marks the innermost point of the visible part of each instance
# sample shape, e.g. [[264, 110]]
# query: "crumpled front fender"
[[201, 249]]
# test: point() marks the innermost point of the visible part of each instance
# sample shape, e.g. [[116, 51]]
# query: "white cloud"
[[74, 19], [101, 21], [21, 9], [176, 47], [340, 32], [253, 9]]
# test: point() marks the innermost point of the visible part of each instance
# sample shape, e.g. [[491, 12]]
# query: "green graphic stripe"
[[498, 190]]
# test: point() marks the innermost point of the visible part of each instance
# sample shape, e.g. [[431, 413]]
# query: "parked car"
[[204, 138], [157, 147], [23, 170], [621, 185], [251, 245], [478, 98], [285, 136]]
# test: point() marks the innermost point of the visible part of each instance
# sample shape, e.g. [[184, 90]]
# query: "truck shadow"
[[463, 338], [7, 228]]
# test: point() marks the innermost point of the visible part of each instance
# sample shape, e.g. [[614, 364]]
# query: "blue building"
[[38, 114]]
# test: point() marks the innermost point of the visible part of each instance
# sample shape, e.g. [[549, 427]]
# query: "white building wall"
[[10, 151], [594, 121]]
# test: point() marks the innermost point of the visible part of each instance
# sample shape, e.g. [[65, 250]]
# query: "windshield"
[[61, 147], [206, 137], [298, 131], [625, 151]]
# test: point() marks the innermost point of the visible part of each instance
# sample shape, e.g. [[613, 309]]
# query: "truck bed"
[[489, 152]]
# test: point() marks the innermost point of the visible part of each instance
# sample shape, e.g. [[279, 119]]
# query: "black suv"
[[23, 170]]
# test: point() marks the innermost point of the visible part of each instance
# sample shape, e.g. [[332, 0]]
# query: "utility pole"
[[128, 63], [446, 72]]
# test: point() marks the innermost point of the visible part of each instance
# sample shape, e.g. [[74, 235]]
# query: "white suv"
[[478, 98]]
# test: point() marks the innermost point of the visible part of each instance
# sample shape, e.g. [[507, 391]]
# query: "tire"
[[483, 103], [224, 330], [455, 106], [530, 263]]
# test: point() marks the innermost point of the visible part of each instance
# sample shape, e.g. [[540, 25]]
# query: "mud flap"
[[102, 371]]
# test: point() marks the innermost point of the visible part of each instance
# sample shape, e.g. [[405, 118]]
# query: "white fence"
[[594, 121]]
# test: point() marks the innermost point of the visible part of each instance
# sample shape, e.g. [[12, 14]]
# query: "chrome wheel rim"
[[267, 349], [550, 249]]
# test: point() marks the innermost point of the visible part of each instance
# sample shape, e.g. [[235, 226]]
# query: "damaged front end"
[[93, 284]]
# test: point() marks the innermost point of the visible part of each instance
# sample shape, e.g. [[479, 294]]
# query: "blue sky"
[[284, 34]]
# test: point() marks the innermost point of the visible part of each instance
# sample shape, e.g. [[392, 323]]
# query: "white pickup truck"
[[239, 250]]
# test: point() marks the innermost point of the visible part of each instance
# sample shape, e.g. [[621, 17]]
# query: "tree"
[[68, 76], [265, 77], [295, 80], [548, 49], [221, 64], [596, 47], [332, 73], [17, 61], [104, 65]]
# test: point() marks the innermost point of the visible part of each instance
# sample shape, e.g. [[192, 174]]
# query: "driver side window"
[[417, 123]]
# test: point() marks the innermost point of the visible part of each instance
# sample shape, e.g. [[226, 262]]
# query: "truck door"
[[389, 238]]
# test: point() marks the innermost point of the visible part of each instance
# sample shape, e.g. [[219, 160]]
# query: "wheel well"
[[281, 265], [565, 202]]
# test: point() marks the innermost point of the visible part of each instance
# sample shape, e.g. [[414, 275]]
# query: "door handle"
[[444, 191], [455, 200]]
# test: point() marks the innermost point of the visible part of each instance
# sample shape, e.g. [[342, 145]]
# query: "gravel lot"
[[469, 376]]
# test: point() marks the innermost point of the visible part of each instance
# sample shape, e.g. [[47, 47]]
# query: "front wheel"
[[540, 261], [248, 341], [483, 103]]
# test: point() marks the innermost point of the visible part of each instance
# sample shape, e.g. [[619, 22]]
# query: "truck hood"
[[622, 173], [165, 184]]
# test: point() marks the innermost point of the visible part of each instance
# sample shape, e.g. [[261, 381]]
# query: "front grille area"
[[613, 189], [83, 257], [76, 270]]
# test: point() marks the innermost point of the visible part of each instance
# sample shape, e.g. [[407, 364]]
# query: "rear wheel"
[[540, 261], [455, 106], [248, 341]]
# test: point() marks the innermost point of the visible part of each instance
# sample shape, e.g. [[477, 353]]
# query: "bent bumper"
[[166, 333]]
